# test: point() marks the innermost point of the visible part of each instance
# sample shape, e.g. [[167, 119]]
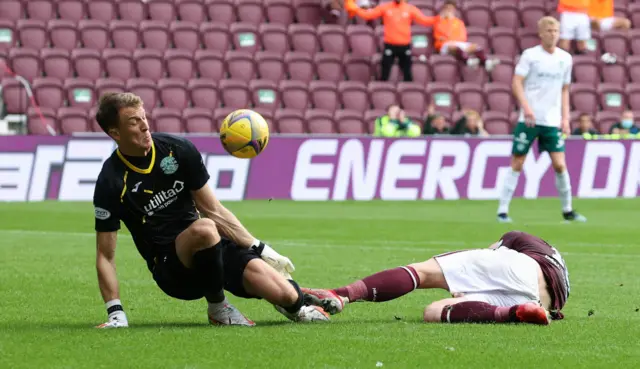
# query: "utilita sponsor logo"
[[163, 199]]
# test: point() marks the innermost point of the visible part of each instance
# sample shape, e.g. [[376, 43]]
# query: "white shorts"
[[575, 26], [464, 46], [500, 277], [606, 24]]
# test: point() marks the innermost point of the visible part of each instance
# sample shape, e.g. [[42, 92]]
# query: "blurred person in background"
[[395, 124], [435, 124], [397, 17], [574, 24], [470, 124], [626, 125], [601, 13], [450, 38], [585, 127]]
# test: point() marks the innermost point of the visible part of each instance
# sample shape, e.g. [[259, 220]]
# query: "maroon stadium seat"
[[361, 40], [223, 11], [412, 96], [209, 64], [333, 39], [234, 94], [303, 38], [503, 41], [586, 70], [324, 95], [8, 34], [80, 93], [105, 85], [477, 14], [503, 72], [146, 89], [161, 10], [265, 94], [73, 120], [39, 119], [94, 34], [250, 11], [470, 96], [358, 69], [87, 63], [12, 9], [14, 96], [633, 68], [270, 66], [118, 63], [329, 67], [56, 63], [42, 10], [215, 36], [496, 122], [279, 11], [478, 36], [274, 37], [615, 42], [191, 11], [421, 71], [300, 66], [102, 10], [185, 35], [633, 96], [320, 121], [443, 97], [309, 12], [25, 63], [155, 35], [444, 69], [167, 120], [219, 115], [421, 41], [634, 41], [32, 33], [173, 93], [506, 14], [294, 95], [354, 95], [132, 10], [244, 36], [634, 14], [48, 92], [584, 98], [531, 12], [605, 119], [63, 34], [289, 121], [499, 97], [203, 93], [614, 73], [124, 35], [179, 64], [612, 97], [349, 122], [527, 38], [370, 117], [198, 120], [382, 94], [240, 65], [149, 63], [73, 10]]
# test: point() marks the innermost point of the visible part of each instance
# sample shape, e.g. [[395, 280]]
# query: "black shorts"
[[181, 283]]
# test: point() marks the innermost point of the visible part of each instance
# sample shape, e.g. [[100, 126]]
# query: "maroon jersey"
[[551, 262]]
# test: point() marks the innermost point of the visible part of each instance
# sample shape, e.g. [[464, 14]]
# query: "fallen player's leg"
[[498, 286]]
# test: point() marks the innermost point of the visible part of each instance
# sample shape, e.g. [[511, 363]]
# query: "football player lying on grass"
[[519, 279]]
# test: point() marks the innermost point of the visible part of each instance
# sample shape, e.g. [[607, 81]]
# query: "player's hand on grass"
[[117, 319], [280, 263]]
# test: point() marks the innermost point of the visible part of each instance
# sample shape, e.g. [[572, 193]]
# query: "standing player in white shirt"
[[541, 86]]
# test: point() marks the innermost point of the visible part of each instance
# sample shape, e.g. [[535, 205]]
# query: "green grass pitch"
[[50, 300]]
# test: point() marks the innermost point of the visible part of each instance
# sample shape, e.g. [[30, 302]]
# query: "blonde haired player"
[[541, 86], [603, 17]]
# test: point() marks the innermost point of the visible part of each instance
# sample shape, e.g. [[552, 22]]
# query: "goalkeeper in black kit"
[[156, 184]]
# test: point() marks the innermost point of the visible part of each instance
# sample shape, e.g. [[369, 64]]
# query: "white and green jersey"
[[545, 75]]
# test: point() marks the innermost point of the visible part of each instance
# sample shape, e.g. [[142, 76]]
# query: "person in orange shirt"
[[450, 38], [398, 16], [603, 19], [574, 24]]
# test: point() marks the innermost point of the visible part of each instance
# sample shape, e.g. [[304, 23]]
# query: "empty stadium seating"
[[193, 60]]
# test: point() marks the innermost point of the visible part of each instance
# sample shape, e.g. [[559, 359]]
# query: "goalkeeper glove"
[[117, 318], [280, 263]]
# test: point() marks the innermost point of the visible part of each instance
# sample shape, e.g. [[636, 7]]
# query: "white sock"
[[563, 184], [508, 188], [213, 306]]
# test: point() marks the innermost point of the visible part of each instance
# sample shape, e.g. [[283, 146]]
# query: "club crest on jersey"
[[169, 165]]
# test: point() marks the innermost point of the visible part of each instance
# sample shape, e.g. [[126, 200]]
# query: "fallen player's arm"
[[228, 225], [106, 265]]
